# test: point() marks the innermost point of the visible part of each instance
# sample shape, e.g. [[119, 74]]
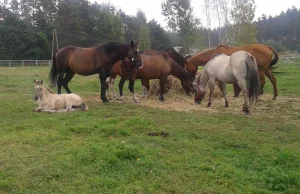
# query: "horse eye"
[[40, 89]]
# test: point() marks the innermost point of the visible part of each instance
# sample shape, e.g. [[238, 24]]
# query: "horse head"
[[199, 94], [134, 55], [38, 89]]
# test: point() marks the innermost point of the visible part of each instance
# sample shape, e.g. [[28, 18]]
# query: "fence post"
[[49, 62], [35, 62], [9, 63], [23, 63]]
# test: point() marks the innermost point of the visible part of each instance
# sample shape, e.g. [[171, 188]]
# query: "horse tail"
[[53, 71], [275, 57], [252, 79]]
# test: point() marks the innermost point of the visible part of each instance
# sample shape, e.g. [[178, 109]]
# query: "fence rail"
[[24, 63], [289, 58]]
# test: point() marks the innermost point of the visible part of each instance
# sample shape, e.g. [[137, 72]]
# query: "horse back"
[[155, 64], [82, 61], [262, 53]]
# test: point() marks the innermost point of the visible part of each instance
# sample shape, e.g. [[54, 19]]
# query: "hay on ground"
[[173, 86]]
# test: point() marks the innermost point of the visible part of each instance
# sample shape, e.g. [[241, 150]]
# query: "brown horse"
[[156, 65], [265, 56], [171, 52], [87, 61]]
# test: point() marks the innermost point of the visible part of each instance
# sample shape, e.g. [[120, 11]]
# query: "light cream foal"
[[48, 101]]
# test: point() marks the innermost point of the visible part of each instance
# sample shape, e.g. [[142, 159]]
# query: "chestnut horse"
[[156, 65], [265, 56], [87, 61]]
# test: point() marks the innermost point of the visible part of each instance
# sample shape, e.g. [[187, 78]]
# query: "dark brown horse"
[[265, 57], [156, 65], [87, 61], [176, 56]]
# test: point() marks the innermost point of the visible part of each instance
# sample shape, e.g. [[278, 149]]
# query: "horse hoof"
[[274, 98], [161, 99], [136, 101], [226, 105], [246, 110], [208, 104], [105, 101]]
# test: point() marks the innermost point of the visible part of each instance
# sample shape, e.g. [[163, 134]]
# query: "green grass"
[[107, 149]]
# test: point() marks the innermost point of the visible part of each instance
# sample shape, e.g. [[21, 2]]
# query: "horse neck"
[[203, 57], [119, 52], [177, 57], [178, 71], [46, 93], [203, 79]]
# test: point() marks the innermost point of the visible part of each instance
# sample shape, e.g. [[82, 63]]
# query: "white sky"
[[152, 8]]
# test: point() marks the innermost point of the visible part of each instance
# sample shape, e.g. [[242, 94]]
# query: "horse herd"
[[245, 67]]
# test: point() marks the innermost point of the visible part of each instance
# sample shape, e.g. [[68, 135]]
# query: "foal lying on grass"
[[48, 101]]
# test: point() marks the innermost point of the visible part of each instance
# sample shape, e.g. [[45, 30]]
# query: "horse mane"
[[49, 89], [207, 51]]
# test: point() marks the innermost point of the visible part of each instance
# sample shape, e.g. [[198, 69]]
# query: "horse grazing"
[[48, 101], [176, 56], [156, 65], [240, 68], [87, 61], [128, 73], [265, 56]]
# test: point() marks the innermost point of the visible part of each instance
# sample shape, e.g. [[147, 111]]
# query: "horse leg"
[[262, 82], [211, 84], [242, 85], [237, 90], [121, 84], [69, 75], [103, 77], [223, 90], [110, 86], [273, 81], [162, 84], [59, 82], [131, 89], [146, 86]]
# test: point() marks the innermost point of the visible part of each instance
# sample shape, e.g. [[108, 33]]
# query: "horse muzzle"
[[35, 98], [198, 100]]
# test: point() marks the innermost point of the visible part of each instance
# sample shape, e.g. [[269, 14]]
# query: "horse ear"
[[41, 81], [132, 44], [34, 81]]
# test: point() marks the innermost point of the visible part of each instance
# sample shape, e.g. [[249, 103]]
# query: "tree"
[[243, 14], [180, 19], [159, 39], [207, 9], [18, 43], [143, 33]]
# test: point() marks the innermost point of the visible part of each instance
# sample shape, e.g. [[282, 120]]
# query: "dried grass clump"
[[173, 86]]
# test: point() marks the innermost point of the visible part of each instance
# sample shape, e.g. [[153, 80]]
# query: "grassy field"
[[107, 149]]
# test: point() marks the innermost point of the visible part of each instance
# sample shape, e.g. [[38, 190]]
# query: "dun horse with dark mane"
[[265, 57], [87, 61]]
